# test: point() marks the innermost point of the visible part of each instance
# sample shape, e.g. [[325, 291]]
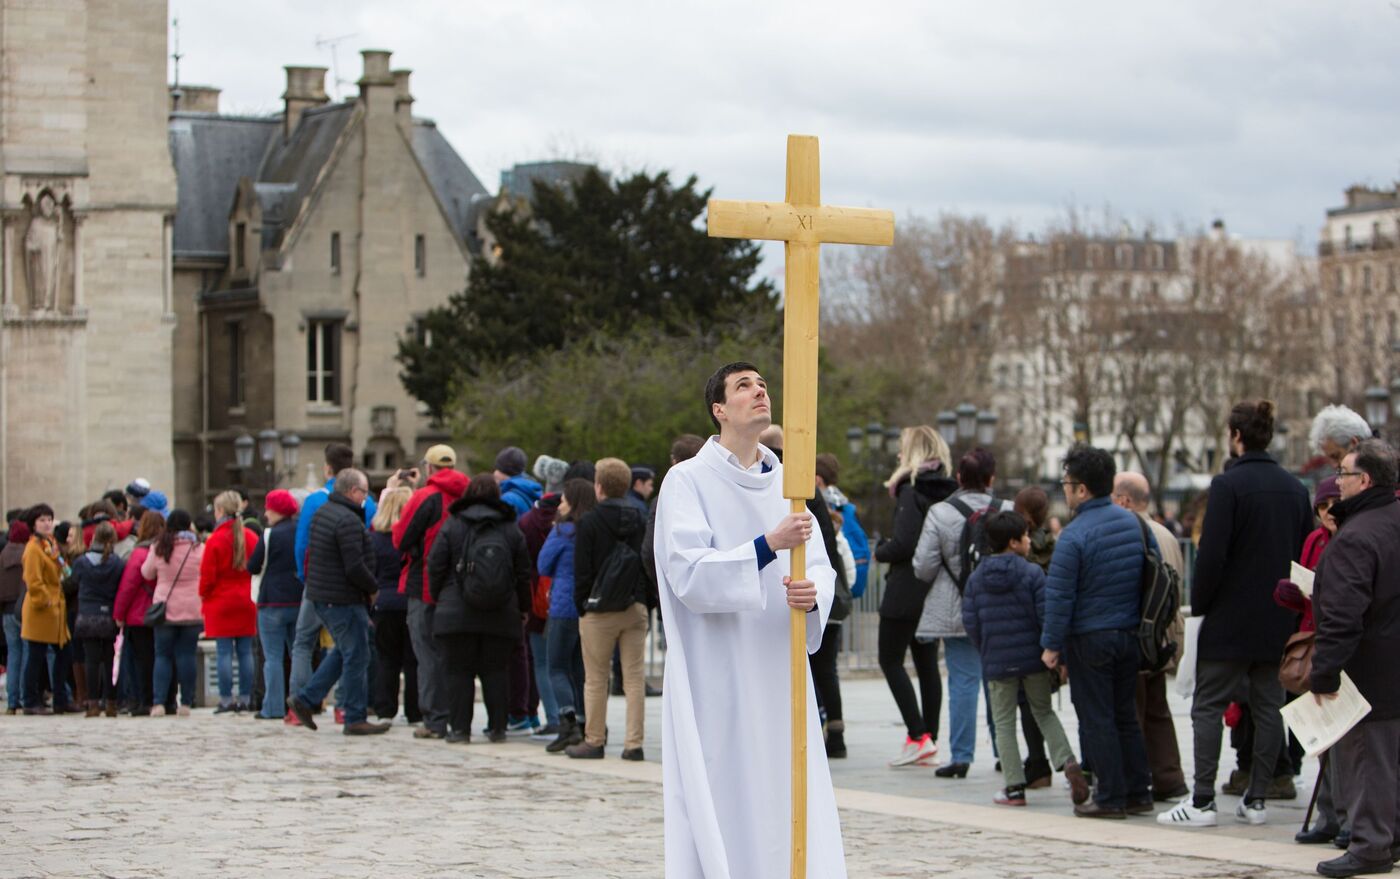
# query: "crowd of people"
[[544, 589]]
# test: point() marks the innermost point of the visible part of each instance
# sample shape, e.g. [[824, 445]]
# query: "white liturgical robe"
[[726, 746]]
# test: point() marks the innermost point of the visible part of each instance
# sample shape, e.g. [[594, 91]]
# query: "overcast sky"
[[1259, 113]]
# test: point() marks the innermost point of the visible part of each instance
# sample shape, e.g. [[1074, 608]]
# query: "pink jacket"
[[181, 598], [134, 593]]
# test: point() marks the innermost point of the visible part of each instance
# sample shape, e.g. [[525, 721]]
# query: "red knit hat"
[[282, 503]]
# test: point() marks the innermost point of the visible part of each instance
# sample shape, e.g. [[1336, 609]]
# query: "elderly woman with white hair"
[[1337, 430]]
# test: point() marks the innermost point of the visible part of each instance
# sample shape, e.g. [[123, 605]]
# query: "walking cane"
[[1317, 787]]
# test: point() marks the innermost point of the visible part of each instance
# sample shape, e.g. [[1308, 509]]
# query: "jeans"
[[277, 628], [98, 655], [177, 646], [225, 648], [308, 633], [38, 655], [139, 648], [565, 665], [1103, 668], [349, 625], [895, 640], [964, 683], [825, 679], [14, 668], [539, 655], [432, 683]]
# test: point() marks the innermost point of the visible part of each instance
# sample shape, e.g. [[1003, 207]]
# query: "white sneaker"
[[1251, 813], [1184, 814], [157, 710], [916, 751]]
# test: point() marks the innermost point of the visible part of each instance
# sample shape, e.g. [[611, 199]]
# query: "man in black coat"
[[1356, 601], [1257, 517], [340, 583]]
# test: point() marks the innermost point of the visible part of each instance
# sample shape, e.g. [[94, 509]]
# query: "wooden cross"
[[803, 223]]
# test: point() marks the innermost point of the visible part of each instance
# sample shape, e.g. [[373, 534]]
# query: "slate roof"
[[212, 153]]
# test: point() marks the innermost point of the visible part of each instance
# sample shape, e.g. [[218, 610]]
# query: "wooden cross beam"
[[803, 223]]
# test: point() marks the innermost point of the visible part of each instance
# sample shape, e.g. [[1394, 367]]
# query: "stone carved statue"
[[43, 252]]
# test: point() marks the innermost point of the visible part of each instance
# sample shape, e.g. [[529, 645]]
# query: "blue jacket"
[[314, 502], [98, 582], [273, 558], [557, 561], [1003, 607], [860, 547], [388, 570], [1095, 580], [521, 492]]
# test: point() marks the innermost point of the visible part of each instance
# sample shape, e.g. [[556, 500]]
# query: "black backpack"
[[620, 582], [1161, 601], [485, 571], [974, 545]]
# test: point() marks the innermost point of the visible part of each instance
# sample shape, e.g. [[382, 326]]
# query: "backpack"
[[1161, 601], [485, 572], [621, 580], [974, 544]]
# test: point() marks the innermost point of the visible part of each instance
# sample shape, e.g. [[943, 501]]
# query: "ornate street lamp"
[[967, 420], [986, 428], [243, 451], [855, 439], [873, 431], [1377, 406], [1081, 432], [267, 446], [892, 438], [948, 426], [291, 447]]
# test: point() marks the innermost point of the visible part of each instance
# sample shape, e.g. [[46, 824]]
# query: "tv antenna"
[[177, 55], [331, 43]]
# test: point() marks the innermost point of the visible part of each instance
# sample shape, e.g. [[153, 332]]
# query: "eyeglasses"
[[1341, 473], [1069, 482]]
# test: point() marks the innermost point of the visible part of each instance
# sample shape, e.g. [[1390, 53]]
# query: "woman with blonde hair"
[[919, 481], [226, 596], [394, 658]]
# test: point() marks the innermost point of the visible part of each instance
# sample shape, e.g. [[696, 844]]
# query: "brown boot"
[[94, 709], [111, 707]]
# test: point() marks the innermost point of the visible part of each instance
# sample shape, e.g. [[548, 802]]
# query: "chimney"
[[306, 88], [403, 101], [377, 83], [194, 99]]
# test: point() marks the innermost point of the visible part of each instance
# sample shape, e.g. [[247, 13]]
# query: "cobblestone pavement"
[[229, 796]]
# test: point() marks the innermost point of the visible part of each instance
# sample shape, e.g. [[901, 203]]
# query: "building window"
[[422, 333], [1094, 256], [323, 361], [1346, 236], [420, 255], [1123, 256], [1365, 279], [237, 372], [240, 245], [1154, 257], [335, 253]]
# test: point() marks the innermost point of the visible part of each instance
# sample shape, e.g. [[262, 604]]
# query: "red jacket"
[[227, 594], [1287, 594], [123, 528], [422, 518], [134, 593]]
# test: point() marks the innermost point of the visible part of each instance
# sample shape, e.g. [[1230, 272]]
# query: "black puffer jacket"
[[453, 616], [1356, 601], [339, 559], [904, 592], [598, 531]]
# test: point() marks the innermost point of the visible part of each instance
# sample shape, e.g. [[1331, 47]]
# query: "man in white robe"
[[722, 531]]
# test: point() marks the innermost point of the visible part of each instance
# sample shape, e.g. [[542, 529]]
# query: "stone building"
[[305, 245], [87, 192]]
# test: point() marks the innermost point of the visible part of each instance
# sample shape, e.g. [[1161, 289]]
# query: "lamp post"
[[243, 451], [948, 426], [266, 445]]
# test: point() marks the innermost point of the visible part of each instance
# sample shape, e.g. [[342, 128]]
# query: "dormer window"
[[420, 255], [335, 253], [240, 246]]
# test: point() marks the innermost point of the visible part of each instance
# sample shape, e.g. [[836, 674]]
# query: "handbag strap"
[[176, 579]]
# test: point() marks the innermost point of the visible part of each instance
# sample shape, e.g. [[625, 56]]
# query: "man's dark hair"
[[339, 456], [243, 492], [12, 516], [580, 470], [116, 497], [1254, 419], [1004, 526], [482, 490], [1092, 467], [976, 469], [714, 388], [1377, 460], [686, 446], [828, 468]]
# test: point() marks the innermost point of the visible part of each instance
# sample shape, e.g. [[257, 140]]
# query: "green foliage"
[[625, 395], [589, 259]]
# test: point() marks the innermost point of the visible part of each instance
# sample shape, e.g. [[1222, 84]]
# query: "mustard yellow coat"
[[45, 613]]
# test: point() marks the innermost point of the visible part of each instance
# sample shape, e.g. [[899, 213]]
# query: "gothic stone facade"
[[306, 244], [87, 192]]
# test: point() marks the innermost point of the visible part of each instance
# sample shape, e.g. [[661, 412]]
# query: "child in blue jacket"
[[1003, 611]]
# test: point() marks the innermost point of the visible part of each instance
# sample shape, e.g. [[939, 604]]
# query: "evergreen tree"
[[593, 255]]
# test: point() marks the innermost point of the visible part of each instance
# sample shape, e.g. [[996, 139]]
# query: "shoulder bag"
[[155, 614]]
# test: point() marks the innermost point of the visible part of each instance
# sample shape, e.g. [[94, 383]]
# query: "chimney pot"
[[306, 88], [376, 68], [403, 100]]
